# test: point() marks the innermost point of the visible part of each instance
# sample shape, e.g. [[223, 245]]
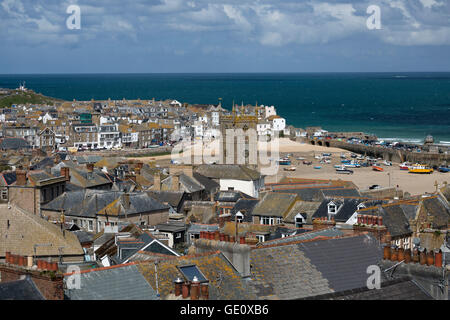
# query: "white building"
[[269, 111]]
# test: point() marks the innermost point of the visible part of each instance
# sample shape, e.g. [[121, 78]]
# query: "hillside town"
[[93, 207]]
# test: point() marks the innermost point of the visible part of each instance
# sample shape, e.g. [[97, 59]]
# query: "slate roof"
[[82, 203], [328, 232], [298, 270], [7, 178], [20, 290], [173, 198], [340, 192], [197, 227], [228, 171], [304, 194], [114, 283], [209, 184], [26, 229], [245, 206], [231, 196], [399, 289], [305, 208], [275, 204], [225, 282], [137, 203], [394, 218], [438, 209], [14, 144], [187, 184], [348, 208]]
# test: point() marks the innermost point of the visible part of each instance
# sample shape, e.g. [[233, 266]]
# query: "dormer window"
[[332, 208], [361, 206], [299, 220], [239, 217]]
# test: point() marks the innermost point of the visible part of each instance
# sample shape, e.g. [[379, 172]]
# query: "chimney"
[[237, 254], [65, 172], [90, 167], [226, 217], [50, 285], [178, 284], [176, 182], [126, 200], [21, 177], [185, 287], [204, 288], [195, 288], [157, 182]]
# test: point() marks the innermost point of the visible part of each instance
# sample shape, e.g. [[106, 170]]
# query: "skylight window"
[[191, 271]]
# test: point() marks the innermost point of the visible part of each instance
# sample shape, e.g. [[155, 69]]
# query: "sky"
[[183, 36]]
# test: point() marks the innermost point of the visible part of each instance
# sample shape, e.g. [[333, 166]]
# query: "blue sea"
[[404, 106]]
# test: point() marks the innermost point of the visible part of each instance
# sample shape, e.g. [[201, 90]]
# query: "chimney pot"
[[394, 254], [387, 253], [7, 256], [185, 289], [242, 240], [407, 254], [195, 288], [423, 257], [217, 235], [438, 259], [430, 258], [205, 290], [178, 284], [401, 255]]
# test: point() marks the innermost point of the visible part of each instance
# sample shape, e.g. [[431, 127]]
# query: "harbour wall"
[[389, 154]]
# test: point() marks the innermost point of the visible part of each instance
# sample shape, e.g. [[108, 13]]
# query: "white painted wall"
[[249, 187]]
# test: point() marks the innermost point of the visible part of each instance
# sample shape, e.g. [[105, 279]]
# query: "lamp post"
[[389, 175]]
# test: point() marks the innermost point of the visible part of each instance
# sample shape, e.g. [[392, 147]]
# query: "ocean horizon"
[[405, 106]]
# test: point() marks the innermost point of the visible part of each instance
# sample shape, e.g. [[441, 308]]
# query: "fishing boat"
[[346, 161], [326, 154], [343, 156], [344, 171], [444, 169], [387, 163], [377, 168], [284, 162], [300, 158], [290, 169], [405, 166], [352, 165], [317, 167], [307, 162], [420, 168]]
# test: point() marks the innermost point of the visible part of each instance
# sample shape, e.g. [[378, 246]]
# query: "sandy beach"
[[363, 177]]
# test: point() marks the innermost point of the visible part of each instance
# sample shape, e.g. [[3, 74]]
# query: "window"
[[260, 237], [4, 194], [91, 225], [298, 221], [332, 208], [191, 271], [178, 235]]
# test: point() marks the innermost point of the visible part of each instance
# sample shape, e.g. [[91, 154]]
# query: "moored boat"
[[377, 168], [405, 166], [444, 169], [284, 162], [420, 168], [290, 169], [317, 167]]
